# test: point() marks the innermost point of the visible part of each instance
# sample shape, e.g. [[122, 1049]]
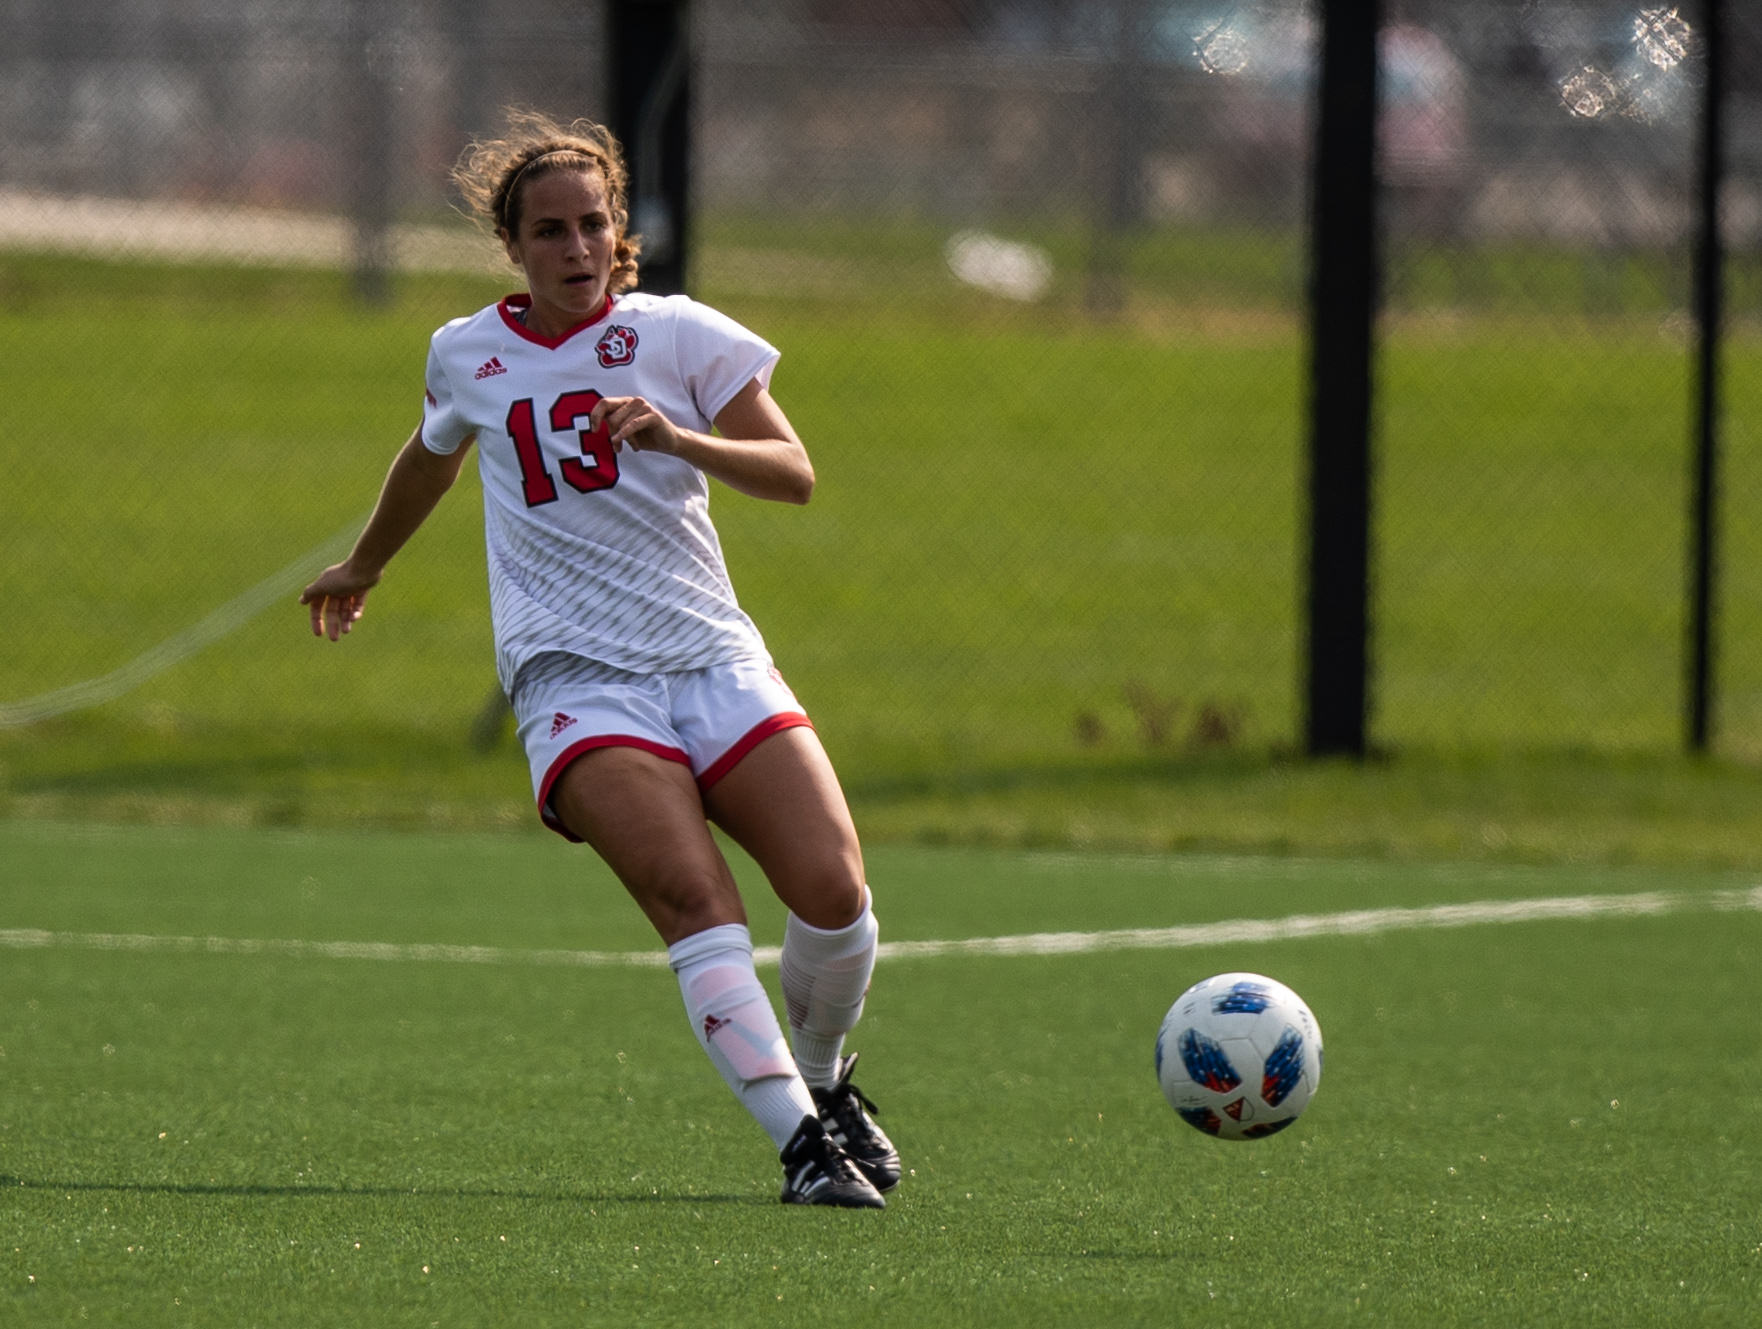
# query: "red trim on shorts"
[[776, 724], [574, 750]]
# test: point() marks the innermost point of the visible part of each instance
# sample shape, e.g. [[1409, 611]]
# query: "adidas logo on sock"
[[489, 367], [711, 1024], [560, 722]]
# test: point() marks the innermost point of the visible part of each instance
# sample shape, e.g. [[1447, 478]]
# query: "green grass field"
[[1050, 636], [1542, 1122]]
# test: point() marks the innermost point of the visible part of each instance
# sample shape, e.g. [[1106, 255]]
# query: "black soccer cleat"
[[817, 1171], [844, 1112]]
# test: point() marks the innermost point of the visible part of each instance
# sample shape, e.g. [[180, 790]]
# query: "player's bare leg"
[[645, 817], [783, 805]]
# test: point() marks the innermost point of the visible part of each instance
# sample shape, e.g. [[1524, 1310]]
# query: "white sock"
[[825, 978], [735, 1025]]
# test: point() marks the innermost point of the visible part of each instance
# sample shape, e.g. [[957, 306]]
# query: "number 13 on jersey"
[[595, 468]]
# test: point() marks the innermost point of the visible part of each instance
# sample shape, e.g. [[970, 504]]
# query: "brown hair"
[[492, 175]]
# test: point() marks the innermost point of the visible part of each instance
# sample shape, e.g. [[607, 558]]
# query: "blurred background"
[[1040, 272]]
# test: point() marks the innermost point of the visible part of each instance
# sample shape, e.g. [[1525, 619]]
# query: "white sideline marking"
[[419, 952], [1352, 923]]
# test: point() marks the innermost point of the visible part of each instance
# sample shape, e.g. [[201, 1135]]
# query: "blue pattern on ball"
[[1284, 1067], [1203, 1119], [1206, 1063], [1243, 999]]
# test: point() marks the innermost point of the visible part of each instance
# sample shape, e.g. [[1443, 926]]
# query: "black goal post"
[[648, 45], [1709, 278], [1343, 291]]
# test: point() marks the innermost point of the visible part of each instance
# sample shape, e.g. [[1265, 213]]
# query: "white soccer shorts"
[[704, 719]]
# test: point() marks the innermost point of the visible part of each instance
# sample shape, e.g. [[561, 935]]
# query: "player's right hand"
[[336, 600]]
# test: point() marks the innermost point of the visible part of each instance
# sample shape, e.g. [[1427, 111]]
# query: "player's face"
[[565, 246]]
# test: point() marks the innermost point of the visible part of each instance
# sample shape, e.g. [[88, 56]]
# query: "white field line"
[[1245, 931]]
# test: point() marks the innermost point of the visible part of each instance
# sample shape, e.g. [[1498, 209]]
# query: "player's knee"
[[831, 896], [681, 901]]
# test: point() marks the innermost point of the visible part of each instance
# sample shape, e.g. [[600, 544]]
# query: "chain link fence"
[[1038, 271]]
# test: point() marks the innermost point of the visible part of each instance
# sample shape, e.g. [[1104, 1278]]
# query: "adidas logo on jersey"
[[489, 367], [560, 722]]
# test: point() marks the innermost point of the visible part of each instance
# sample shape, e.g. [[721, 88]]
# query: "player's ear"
[[510, 245]]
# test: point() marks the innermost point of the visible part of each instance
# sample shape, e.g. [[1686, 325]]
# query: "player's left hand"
[[633, 421]]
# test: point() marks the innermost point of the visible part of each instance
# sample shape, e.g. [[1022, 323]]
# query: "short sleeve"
[[718, 357], [443, 429]]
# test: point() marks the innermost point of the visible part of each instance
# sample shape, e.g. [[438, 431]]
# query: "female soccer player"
[[645, 698]]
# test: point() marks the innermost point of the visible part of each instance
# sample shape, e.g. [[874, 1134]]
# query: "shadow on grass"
[[193, 768], [1165, 770], [252, 1190]]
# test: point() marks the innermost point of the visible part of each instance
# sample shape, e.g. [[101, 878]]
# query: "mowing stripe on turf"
[[1351, 923], [221, 622]]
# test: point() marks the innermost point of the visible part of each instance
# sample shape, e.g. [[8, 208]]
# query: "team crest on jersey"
[[617, 347]]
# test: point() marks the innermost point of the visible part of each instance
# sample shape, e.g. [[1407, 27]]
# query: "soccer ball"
[[1239, 1056]]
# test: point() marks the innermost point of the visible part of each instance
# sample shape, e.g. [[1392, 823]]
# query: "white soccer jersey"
[[607, 555]]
